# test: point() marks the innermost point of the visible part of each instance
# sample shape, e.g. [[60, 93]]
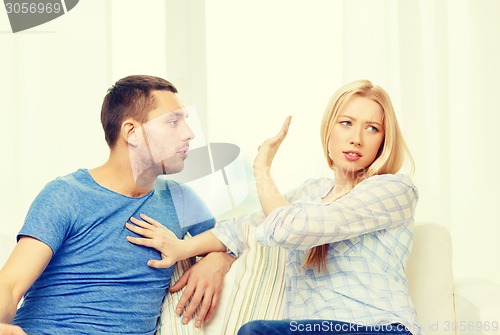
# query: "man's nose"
[[188, 134]]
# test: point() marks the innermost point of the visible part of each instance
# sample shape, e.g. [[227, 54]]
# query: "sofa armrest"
[[477, 307]]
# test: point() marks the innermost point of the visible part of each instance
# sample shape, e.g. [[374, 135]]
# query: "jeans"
[[318, 327]]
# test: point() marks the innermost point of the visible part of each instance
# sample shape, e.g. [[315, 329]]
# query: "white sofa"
[[443, 305], [254, 290]]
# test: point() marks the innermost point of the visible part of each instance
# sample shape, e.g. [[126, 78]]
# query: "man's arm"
[[203, 284], [11, 330], [27, 261]]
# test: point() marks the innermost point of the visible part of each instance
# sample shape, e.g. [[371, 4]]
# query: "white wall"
[[439, 60], [52, 82], [267, 60]]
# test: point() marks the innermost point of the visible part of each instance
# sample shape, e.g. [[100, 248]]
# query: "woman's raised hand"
[[156, 236], [268, 149]]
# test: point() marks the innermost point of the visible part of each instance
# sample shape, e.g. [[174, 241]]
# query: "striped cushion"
[[169, 322], [253, 289]]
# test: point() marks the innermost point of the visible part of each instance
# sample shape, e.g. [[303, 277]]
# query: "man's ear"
[[129, 130]]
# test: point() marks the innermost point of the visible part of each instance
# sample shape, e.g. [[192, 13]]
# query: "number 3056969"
[[33, 8], [471, 326]]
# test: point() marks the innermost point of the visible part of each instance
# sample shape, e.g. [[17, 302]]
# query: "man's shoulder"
[[73, 186], [66, 181]]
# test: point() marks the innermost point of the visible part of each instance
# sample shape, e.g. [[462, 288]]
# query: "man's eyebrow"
[[177, 113]]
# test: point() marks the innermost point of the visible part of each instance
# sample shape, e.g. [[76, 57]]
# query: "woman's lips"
[[352, 156]]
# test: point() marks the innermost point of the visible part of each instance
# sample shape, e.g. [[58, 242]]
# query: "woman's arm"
[[172, 249], [269, 194], [377, 203]]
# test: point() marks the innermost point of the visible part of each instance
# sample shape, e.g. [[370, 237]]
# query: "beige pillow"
[[253, 289]]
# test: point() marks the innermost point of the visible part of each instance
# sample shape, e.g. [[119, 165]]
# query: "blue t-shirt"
[[97, 282]]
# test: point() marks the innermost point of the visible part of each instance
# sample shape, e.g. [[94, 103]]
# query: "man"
[[73, 264]]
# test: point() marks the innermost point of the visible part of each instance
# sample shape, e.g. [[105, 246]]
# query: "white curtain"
[[246, 65]]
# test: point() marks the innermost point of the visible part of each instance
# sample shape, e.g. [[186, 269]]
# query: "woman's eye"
[[372, 129], [345, 123], [173, 122]]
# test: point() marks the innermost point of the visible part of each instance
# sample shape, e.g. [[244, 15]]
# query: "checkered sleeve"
[[233, 233], [378, 202]]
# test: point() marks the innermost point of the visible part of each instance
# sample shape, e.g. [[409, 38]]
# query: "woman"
[[348, 239]]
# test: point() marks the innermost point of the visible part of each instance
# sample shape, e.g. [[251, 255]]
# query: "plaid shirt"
[[369, 231]]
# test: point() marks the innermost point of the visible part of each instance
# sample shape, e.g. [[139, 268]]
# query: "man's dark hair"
[[130, 97]]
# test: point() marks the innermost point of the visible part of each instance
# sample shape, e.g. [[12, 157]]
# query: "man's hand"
[[10, 330], [203, 286]]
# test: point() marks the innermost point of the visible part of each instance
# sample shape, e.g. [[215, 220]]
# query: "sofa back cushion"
[[254, 287], [430, 278]]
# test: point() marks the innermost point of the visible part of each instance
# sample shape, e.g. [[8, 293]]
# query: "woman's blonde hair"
[[391, 154]]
